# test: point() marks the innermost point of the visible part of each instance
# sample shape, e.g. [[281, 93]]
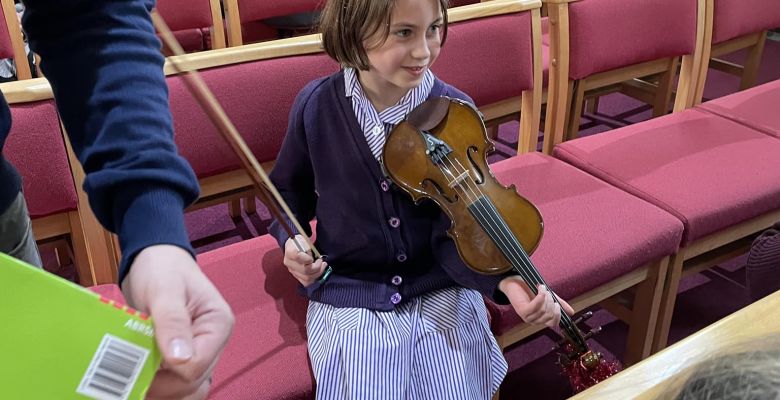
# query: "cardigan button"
[[395, 298], [394, 222]]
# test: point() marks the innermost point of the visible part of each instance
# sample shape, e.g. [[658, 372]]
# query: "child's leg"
[[16, 236], [358, 353], [456, 355]]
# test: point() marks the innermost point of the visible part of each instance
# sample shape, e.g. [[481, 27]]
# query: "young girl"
[[401, 316]]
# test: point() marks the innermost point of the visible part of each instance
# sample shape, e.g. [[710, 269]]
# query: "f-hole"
[[471, 153], [424, 184]]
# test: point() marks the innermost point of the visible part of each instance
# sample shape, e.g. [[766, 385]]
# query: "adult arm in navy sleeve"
[[103, 61]]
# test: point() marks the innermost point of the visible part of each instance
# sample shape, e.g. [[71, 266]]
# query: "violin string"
[[524, 272], [516, 252], [536, 278]]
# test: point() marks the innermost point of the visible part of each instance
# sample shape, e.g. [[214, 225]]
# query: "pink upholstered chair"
[[755, 107], [36, 148], [11, 41], [718, 177], [597, 45], [510, 37], [257, 92], [239, 12], [601, 245], [266, 357], [197, 25], [734, 25]]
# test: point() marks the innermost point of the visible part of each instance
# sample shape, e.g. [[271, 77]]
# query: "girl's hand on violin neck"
[[539, 309], [300, 263]]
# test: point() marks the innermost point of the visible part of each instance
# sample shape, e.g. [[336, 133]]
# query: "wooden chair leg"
[[249, 204], [81, 252], [575, 114], [644, 315], [750, 71], [492, 131], [668, 299], [592, 105], [663, 94], [234, 208], [62, 253]]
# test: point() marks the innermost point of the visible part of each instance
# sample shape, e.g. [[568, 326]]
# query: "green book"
[[61, 341]]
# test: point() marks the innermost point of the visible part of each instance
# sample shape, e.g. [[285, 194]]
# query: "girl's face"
[[399, 64]]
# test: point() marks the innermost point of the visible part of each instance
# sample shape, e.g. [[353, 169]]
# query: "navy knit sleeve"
[[104, 64], [293, 174]]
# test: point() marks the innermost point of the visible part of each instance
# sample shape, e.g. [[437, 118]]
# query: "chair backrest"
[[193, 16], [253, 10], [735, 18], [11, 40], [256, 95], [499, 47], [493, 53], [609, 34], [238, 12], [256, 84], [36, 148]]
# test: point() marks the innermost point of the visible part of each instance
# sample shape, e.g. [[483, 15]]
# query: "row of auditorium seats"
[[627, 212]]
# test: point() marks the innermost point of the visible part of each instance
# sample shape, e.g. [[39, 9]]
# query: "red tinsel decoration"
[[586, 371]]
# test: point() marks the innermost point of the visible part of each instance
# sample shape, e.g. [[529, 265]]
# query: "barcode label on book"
[[114, 369]]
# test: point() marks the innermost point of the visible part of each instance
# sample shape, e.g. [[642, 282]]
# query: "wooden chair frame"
[[17, 40], [566, 97]]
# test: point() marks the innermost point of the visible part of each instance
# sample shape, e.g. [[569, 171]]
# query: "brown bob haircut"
[[346, 23]]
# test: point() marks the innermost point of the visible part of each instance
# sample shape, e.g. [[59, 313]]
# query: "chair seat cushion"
[[266, 357], [708, 171], [593, 232], [755, 107]]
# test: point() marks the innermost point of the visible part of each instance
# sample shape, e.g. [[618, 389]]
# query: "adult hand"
[[542, 309], [192, 322]]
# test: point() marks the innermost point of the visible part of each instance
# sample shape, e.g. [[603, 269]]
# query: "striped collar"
[[375, 125]]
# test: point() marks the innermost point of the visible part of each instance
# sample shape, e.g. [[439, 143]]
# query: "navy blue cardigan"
[[383, 248]]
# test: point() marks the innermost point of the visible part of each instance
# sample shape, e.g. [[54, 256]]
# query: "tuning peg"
[[593, 332], [583, 317]]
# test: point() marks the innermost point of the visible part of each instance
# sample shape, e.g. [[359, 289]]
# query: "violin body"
[[460, 181]]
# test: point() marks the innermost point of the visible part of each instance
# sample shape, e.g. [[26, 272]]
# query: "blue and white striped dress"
[[435, 346]]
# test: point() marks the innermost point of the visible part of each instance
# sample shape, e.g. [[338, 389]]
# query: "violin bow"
[[266, 190]]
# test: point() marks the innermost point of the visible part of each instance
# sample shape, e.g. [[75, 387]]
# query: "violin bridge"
[[458, 179]]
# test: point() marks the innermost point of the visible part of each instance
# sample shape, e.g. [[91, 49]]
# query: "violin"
[[439, 152]]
